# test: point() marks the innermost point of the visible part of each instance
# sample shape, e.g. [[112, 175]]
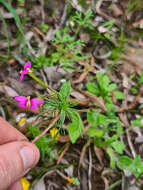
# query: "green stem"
[[40, 81]]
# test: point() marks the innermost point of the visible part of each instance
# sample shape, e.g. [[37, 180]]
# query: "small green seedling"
[[103, 87]]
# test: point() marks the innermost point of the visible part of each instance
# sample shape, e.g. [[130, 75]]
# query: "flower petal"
[[25, 71], [22, 104], [34, 103], [20, 99], [102, 29], [21, 76], [27, 65]]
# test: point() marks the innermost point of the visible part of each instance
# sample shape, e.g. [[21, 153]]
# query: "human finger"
[[15, 159], [8, 133]]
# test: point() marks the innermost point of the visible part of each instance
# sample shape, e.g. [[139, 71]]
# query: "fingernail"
[[28, 157]]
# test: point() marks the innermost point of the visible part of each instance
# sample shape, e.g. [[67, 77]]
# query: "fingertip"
[[16, 186]]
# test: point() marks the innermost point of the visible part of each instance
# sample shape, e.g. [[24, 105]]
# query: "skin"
[[11, 162]]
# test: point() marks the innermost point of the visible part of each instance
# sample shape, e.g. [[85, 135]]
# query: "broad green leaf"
[[92, 88], [65, 91], [102, 119], [134, 166], [119, 95], [105, 80], [112, 86], [74, 133], [92, 132], [92, 117], [75, 128], [118, 146], [124, 162]]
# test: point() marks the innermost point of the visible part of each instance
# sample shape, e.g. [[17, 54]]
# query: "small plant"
[[46, 144], [105, 129], [58, 105], [103, 87], [40, 62], [134, 166], [82, 21], [67, 50], [106, 28], [61, 104]]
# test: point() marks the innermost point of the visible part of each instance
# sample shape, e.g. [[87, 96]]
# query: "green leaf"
[[92, 88], [75, 181], [119, 95], [140, 78], [102, 119], [112, 86], [118, 146], [75, 128], [62, 117], [105, 80], [124, 162], [45, 145], [65, 91], [134, 166], [92, 117], [73, 131], [13, 12], [92, 132], [111, 155], [134, 90], [137, 123], [51, 104]]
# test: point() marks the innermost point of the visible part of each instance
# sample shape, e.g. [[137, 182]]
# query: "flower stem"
[[47, 129], [40, 81]]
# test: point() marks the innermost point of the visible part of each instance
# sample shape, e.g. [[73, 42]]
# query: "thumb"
[[15, 159]]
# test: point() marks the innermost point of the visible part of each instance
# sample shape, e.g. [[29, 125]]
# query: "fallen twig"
[[134, 102], [95, 99], [63, 152]]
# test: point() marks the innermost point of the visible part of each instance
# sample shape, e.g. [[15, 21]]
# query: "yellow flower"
[[22, 121], [54, 133], [69, 179], [25, 183]]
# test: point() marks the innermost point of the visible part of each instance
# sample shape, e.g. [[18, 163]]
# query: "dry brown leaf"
[[81, 77], [94, 99], [116, 10], [64, 138], [133, 103], [85, 72]]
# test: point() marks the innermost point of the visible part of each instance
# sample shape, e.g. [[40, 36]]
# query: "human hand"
[[16, 156]]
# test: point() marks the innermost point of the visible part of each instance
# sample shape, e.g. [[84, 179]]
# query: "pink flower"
[[25, 70], [102, 29], [26, 102]]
